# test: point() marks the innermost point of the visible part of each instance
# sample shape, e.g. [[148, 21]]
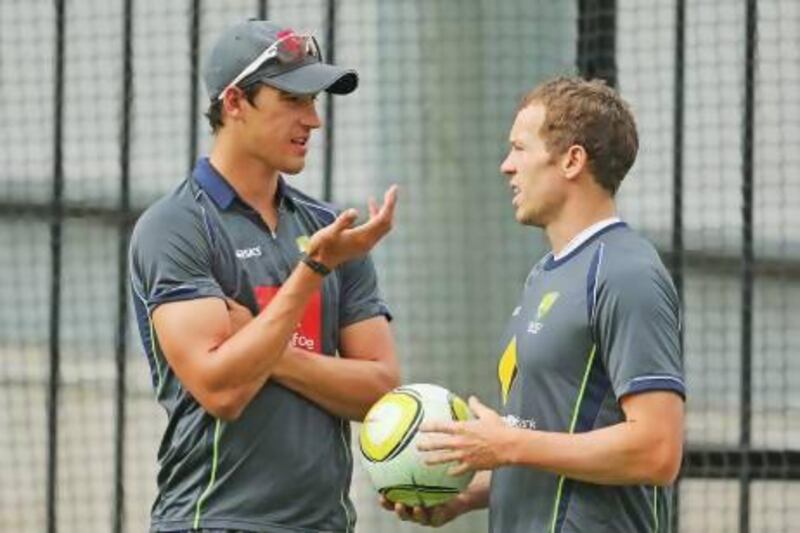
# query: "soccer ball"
[[388, 442]]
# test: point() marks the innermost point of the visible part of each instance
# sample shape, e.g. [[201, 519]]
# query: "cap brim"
[[313, 78]]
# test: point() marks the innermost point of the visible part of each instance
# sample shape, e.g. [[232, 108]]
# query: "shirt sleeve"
[[171, 257], [360, 298], [637, 327]]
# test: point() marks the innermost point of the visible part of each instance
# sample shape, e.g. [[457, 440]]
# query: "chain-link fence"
[[102, 113]]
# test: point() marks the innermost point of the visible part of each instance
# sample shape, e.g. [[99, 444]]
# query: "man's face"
[[277, 128], [536, 183]]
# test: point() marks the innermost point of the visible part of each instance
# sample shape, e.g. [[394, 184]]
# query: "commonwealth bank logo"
[[545, 305], [507, 369]]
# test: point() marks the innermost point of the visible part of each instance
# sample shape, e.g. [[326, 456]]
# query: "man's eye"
[[301, 100]]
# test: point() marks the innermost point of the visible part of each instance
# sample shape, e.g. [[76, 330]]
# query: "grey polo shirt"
[[598, 324], [285, 464]]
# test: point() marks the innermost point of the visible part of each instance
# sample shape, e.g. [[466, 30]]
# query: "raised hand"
[[340, 242]]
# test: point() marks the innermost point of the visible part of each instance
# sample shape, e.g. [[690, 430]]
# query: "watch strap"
[[315, 265]]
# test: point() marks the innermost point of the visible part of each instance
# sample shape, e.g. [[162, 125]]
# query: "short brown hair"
[[590, 114]]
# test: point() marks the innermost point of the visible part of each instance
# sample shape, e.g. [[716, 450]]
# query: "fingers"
[[444, 457], [389, 202], [403, 512], [439, 426], [459, 469], [440, 516], [380, 218], [480, 410], [385, 212], [433, 442], [417, 514], [385, 503], [341, 241], [420, 515], [345, 220], [434, 516], [390, 196]]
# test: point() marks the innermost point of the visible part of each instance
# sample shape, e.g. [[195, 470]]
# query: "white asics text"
[[246, 253]]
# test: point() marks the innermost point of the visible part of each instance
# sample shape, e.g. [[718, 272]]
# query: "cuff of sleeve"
[[654, 383], [366, 312], [186, 291]]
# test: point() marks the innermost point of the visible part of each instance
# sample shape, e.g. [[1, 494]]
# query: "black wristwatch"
[[315, 265]]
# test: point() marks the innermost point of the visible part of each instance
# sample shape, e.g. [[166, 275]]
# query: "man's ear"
[[574, 161], [233, 103]]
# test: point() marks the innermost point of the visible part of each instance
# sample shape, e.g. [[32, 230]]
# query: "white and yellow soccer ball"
[[388, 442]]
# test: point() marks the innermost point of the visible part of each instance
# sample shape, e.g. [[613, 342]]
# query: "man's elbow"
[[391, 379], [388, 380], [227, 406], [665, 464], [384, 381]]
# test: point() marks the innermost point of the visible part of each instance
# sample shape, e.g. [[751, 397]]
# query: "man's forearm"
[[248, 356], [344, 387], [616, 455]]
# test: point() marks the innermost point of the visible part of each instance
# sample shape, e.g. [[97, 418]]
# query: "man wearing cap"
[[258, 306]]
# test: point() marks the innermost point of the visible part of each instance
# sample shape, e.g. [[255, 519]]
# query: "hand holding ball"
[[388, 442]]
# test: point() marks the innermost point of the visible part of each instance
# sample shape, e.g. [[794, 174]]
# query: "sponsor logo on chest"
[[308, 333], [547, 302]]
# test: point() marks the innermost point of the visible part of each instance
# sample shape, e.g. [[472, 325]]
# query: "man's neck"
[[576, 217], [255, 183]]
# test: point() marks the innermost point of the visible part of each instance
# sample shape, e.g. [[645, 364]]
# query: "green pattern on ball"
[[415, 495], [389, 440]]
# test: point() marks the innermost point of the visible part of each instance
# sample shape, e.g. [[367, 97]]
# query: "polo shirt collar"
[[584, 236], [582, 240], [215, 185]]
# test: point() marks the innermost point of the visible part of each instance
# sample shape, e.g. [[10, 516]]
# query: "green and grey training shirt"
[[600, 323], [285, 464]]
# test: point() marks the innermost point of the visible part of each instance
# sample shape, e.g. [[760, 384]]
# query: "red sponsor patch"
[[308, 334]]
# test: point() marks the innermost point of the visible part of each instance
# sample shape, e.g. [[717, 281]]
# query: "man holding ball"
[[590, 375]]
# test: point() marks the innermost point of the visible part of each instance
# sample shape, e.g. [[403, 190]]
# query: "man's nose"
[[506, 167], [311, 117]]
